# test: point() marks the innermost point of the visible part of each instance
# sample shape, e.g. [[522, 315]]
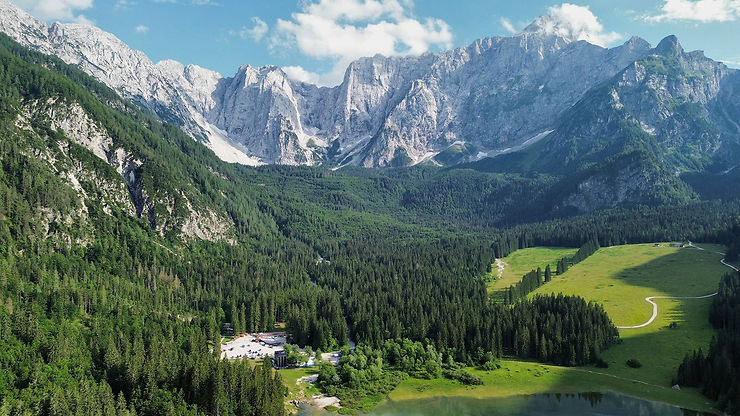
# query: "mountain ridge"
[[614, 126], [387, 111], [635, 137]]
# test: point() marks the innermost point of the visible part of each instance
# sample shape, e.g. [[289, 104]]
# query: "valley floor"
[[619, 278]]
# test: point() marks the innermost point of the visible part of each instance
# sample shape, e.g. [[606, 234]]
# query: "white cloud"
[[63, 10], [578, 23], [356, 10], [82, 19], [297, 73], [256, 32], [193, 2], [123, 4], [703, 11], [344, 30], [506, 23], [142, 29]]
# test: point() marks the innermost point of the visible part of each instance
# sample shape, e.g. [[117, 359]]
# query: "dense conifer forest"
[[105, 311], [716, 372]]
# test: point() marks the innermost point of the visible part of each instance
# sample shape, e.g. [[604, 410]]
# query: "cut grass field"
[[620, 278], [520, 262]]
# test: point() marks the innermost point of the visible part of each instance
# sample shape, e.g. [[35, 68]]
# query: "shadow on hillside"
[[686, 272], [681, 325]]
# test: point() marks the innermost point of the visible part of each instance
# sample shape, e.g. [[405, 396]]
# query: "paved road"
[[649, 299]]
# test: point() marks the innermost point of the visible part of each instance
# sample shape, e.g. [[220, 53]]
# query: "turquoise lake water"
[[596, 404]]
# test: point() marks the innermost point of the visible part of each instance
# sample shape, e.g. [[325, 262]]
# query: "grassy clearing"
[[621, 277], [520, 262], [296, 390], [521, 378]]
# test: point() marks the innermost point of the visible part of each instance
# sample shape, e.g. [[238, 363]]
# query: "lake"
[[601, 404]]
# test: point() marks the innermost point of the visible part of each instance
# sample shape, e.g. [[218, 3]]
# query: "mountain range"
[[126, 244], [631, 124], [456, 106]]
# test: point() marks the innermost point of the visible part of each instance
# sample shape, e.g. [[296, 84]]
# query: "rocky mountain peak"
[[388, 110], [636, 42], [546, 25], [669, 46]]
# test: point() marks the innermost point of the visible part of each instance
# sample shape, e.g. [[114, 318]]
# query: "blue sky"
[[315, 39]]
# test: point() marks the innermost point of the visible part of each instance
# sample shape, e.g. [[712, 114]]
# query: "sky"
[[314, 40]]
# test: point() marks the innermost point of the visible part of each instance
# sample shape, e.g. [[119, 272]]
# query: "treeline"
[[562, 265], [563, 330], [718, 372], [703, 221], [585, 251], [530, 282], [535, 278]]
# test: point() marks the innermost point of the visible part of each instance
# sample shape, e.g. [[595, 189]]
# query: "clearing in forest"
[[620, 278], [520, 262]]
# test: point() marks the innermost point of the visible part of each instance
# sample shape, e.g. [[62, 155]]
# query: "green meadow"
[[520, 262], [621, 277]]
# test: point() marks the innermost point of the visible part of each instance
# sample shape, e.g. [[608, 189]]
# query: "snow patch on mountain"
[[388, 111]]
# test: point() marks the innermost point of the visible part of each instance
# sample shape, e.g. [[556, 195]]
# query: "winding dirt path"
[[649, 299]]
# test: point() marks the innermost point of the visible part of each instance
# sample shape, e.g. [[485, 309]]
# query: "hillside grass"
[[620, 278], [520, 262]]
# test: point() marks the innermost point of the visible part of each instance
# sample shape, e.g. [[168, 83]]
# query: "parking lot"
[[254, 346]]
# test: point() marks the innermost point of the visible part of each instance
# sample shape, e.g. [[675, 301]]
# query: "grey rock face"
[[673, 111], [677, 103], [490, 96]]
